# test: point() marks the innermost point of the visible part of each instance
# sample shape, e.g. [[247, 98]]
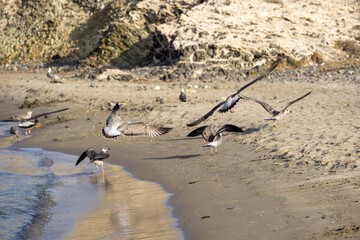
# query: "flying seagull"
[[28, 122], [95, 158], [54, 78], [115, 127], [231, 100], [182, 96], [275, 114], [213, 140]]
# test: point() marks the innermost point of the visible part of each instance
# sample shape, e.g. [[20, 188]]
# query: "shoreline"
[[250, 189]]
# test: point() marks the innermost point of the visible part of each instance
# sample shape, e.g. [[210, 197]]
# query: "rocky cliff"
[[200, 37]]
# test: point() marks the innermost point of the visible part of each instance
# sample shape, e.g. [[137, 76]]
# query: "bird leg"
[[97, 168], [211, 150], [232, 110], [102, 167], [216, 149]]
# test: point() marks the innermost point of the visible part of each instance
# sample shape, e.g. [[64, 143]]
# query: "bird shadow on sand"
[[174, 157], [181, 139], [250, 130]]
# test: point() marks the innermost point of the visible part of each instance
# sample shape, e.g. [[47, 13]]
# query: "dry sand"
[[298, 180]]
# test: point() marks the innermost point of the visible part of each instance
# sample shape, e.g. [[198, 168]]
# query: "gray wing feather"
[[112, 115], [228, 128], [143, 129], [265, 105], [294, 101]]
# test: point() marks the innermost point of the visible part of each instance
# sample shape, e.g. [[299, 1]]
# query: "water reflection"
[[128, 209]]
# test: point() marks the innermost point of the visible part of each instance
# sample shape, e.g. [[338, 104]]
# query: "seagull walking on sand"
[[54, 78], [231, 100], [27, 122], [116, 127], [95, 158], [275, 114], [213, 140]]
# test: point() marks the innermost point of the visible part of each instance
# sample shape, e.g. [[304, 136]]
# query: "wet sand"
[[298, 180]]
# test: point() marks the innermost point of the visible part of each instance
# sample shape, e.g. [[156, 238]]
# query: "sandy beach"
[[296, 180]]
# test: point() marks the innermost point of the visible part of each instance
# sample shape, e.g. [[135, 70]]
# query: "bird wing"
[[228, 128], [265, 105], [101, 156], [294, 101], [88, 153], [229, 103], [182, 97], [112, 115], [47, 113], [267, 72], [143, 129], [205, 131], [203, 118]]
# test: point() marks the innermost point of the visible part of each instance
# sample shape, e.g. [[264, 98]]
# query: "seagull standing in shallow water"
[[231, 100], [213, 140], [275, 114], [95, 158], [115, 127]]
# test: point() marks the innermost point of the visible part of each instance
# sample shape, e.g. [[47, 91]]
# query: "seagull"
[[116, 127], [182, 96], [54, 78], [95, 158], [27, 126], [231, 100], [213, 140], [21, 117], [275, 114], [28, 122]]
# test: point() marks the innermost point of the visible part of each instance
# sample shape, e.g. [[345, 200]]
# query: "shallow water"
[[43, 196]]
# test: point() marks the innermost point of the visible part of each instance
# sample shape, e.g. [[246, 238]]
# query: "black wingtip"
[[106, 135], [116, 107], [164, 130]]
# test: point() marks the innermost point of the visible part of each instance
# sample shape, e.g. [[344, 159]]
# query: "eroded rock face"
[[201, 39]]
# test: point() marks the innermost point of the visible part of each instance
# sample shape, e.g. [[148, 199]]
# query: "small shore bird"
[[54, 78], [115, 127], [182, 96], [213, 140], [95, 158], [231, 100], [14, 131], [275, 114], [27, 122]]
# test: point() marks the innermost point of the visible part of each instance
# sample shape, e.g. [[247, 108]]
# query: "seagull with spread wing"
[[231, 100], [116, 127], [275, 114], [95, 158], [213, 140], [27, 122]]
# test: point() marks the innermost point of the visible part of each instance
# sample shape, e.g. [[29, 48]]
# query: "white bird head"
[[287, 111], [104, 149], [29, 113], [49, 70]]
